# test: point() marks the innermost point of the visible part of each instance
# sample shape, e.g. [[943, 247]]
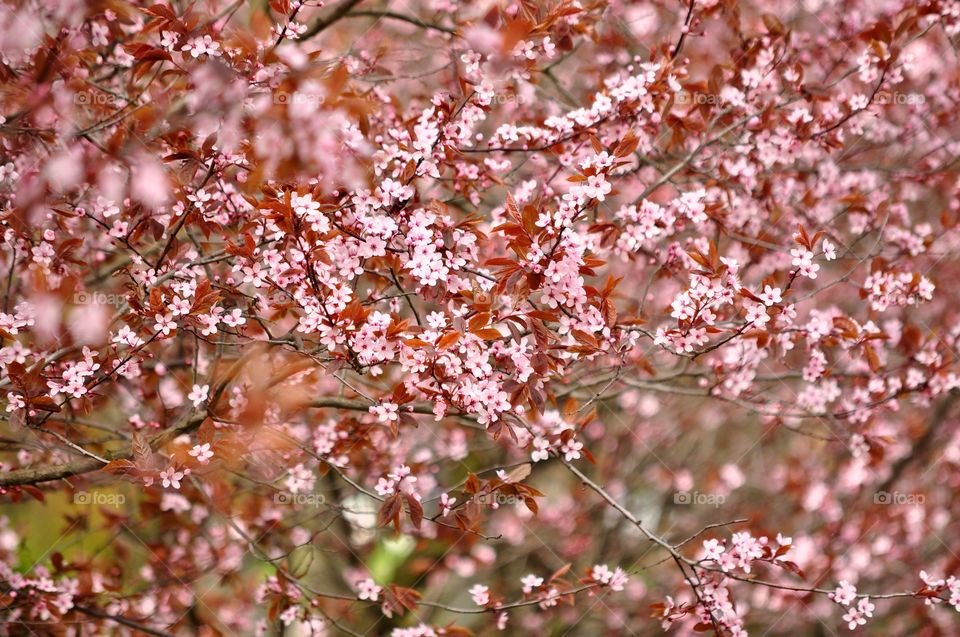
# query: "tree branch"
[[321, 25]]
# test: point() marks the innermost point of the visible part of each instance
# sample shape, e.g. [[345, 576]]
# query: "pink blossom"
[[480, 594], [170, 478], [368, 589], [202, 453], [198, 394]]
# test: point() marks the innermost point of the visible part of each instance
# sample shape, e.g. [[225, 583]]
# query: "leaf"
[[627, 145], [148, 54], [448, 339], [585, 338], [848, 328], [512, 207], [520, 473], [472, 485], [390, 511], [609, 312], [161, 11], [415, 509], [699, 258], [773, 24], [488, 334], [206, 431], [560, 572], [300, 560], [872, 359], [45, 403], [543, 315], [791, 566], [479, 320], [532, 505], [140, 447], [406, 597], [181, 155], [121, 466], [34, 491], [208, 144]]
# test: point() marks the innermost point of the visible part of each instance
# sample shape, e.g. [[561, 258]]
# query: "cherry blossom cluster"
[[415, 320]]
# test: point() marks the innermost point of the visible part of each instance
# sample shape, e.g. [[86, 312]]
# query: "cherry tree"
[[573, 317]]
